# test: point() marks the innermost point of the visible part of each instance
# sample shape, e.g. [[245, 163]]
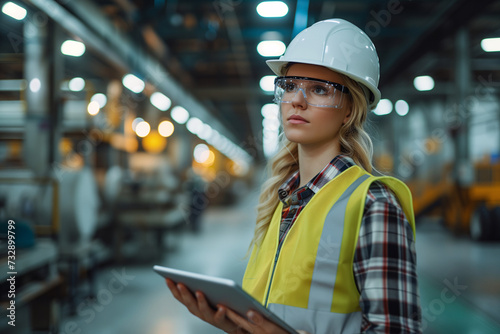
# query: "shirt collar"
[[329, 172]]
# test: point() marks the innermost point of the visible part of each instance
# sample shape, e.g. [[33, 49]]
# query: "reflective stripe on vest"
[[320, 294], [312, 286]]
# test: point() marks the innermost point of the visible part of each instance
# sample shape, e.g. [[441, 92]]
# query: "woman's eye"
[[320, 90], [290, 87]]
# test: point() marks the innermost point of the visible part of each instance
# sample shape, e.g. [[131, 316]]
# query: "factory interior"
[[137, 133]]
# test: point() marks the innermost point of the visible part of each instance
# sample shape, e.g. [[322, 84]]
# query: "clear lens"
[[316, 93]]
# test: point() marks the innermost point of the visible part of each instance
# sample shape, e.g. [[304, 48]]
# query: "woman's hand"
[[257, 324], [199, 307]]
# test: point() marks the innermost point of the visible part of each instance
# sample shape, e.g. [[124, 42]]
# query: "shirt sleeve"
[[385, 267]]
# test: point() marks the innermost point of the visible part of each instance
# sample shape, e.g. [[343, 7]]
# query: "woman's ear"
[[347, 116]]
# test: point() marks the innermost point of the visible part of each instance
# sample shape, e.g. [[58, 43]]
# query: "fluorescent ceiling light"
[[15, 11], [179, 114], [270, 145], [267, 83], [166, 128], [491, 44], [272, 124], [142, 129], [214, 137], [72, 48], [93, 108], [272, 9], [205, 132], [270, 129], [402, 107], [133, 83], [270, 110], [76, 84], [384, 107], [201, 153], [136, 121], [423, 83], [194, 125], [99, 98], [271, 48], [35, 85], [160, 101]]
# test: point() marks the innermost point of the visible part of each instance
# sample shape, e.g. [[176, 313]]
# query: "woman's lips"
[[296, 119]]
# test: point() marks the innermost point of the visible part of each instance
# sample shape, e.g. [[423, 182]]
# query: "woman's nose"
[[299, 100]]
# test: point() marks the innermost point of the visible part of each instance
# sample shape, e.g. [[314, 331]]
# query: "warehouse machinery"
[[472, 209]]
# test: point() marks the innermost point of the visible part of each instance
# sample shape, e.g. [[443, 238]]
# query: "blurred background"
[[135, 133]]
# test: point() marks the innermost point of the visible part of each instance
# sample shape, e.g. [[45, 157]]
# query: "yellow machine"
[[474, 209]]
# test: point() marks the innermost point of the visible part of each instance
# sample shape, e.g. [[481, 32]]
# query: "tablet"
[[221, 291]]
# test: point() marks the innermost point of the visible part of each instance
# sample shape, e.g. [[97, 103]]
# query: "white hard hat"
[[338, 45]]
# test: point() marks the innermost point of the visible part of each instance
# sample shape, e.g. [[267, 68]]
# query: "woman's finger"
[[220, 315], [188, 299], [222, 321], [255, 318], [264, 325], [206, 311], [240, 321], [173, 289]]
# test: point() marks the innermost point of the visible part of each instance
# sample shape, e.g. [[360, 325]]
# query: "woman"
[[347, 263]]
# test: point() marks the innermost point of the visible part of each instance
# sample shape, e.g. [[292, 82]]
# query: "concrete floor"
[[459, 280]]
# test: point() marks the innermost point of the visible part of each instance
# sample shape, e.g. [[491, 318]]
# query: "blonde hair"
[[354, 142]]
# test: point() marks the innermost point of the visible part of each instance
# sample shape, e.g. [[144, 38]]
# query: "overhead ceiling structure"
[[203, 54]]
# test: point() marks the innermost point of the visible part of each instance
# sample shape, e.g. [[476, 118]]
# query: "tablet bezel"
[[221, 291]]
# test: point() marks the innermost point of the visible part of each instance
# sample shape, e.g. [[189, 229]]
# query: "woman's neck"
[[313, 158]]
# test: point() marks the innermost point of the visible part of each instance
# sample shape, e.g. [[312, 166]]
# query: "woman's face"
[[310, 125]]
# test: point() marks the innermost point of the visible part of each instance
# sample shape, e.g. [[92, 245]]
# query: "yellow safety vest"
[[310, 283]]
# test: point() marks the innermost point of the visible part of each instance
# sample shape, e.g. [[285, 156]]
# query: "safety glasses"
[[316, 92]]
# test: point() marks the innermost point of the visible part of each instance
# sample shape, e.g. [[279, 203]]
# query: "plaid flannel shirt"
[[384, 261]]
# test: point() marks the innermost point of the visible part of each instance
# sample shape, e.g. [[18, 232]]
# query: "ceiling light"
[[205, 132], [135, 122], [271, 48], [402, 107], [270, 145], [93, 108], [423, 83], [142, 129], [214, 137], [179, 114], [270, 110], [154, 142], [99, 98], [166, 128], [194, 125], [160, 101], [384, 107], [491, 44], [272, 124], [35, 85], [270, 129], [201, 153], [267, 83], [15, 11], [272, 9], [133, 83], [72, 48], [209, 161], [76, 84]]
